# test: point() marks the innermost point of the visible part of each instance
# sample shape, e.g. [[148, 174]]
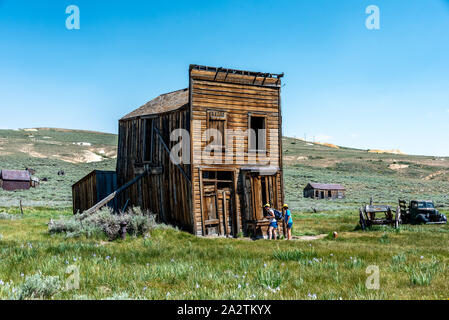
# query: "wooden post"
[[122, 230], [220, 220], [236, 223], [201, 202], [225, 209], [21, 208]]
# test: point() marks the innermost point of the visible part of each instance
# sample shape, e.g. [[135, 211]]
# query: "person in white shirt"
[[269, 213]]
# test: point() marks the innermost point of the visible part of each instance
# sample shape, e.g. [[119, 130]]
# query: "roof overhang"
[[263, 171], [220, 74]]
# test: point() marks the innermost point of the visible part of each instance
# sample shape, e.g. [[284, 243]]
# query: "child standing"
[[273, 223], [288, 220]]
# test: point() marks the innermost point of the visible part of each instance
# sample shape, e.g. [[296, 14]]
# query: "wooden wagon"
[[378, 214]]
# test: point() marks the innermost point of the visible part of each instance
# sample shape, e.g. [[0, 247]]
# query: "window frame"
[[257, 115], [225, 125], [144, 138]]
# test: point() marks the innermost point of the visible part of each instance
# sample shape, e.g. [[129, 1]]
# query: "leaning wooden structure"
[[93, 188], [230, 161]]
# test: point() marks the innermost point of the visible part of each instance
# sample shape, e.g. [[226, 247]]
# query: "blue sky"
[[343, 84]]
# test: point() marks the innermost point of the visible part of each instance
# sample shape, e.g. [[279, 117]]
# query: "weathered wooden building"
[[93, 188], [324, 191], [231, 155], [15, 180]]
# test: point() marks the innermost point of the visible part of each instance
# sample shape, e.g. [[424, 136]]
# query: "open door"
[[259, 190], [210, 216], [218, 203]]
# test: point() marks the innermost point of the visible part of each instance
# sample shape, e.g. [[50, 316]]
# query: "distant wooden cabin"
[[324, 191], [93, 188], [15, 180], [200, 194]]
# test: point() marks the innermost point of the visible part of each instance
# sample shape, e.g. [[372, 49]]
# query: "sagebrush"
[[105, 222]]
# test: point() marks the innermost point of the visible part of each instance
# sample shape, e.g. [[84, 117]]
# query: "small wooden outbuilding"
[[324, 191], [15, 180], [93, 188]]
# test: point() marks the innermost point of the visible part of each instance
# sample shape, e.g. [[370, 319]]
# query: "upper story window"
[[257, 139], [147, 139], [216, 120]]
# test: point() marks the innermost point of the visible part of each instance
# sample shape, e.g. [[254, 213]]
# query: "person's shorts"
[[274, 224], [290, 225]]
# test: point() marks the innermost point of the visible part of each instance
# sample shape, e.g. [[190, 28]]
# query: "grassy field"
[[170, 264]]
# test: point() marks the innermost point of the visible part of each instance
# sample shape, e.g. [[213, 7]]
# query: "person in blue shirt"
[[288, 221]]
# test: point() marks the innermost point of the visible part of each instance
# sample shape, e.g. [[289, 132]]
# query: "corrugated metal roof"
[[327, 186], [15, 175], [164, 103]]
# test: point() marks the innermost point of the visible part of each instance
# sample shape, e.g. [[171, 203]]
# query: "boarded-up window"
[[147, 139], [257, 133], [216, 120]]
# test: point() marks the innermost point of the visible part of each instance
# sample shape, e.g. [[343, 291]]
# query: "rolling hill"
[[48, 151], [365, 173]]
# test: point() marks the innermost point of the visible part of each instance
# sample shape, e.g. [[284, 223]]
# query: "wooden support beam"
[[168, 151], [201, 202], [225, 210], [110, 197], [220, 219]]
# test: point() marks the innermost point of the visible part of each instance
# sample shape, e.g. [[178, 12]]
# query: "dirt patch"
[[435, 174], [310, 238], [394, 151], [4, 153], [28, 149], [395, 166], [85, 157], [329, 145], [83, 144]]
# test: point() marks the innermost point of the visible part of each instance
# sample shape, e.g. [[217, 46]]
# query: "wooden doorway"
[[218, 203], [264, 192], [259, 190]]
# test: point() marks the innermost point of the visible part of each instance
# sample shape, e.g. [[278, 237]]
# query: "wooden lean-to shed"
[[93, 188], [11, 180], [230, 164], [324, 191]]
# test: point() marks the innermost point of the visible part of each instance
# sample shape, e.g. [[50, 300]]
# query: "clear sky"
[[343, 84]]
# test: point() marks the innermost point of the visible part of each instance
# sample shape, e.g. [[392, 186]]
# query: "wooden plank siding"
[[84, 193], [238, 98], [167, 194]]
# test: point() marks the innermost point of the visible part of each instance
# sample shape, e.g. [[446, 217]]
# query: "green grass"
[[170, 264]]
